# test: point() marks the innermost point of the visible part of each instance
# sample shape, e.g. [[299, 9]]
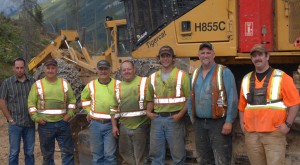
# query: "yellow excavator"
[[233, 27], [68, 48]]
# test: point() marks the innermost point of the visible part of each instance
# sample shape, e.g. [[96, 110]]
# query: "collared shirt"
[[15, 93], [203, 95]]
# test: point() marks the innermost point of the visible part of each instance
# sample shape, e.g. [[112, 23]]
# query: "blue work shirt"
[[203, 95]]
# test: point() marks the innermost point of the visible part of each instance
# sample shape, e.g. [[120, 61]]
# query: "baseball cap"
[[206, 45], [103, 64], [50, 61], [166, 50], [258, 48]]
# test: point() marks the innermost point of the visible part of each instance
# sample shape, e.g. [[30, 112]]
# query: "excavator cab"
[[146, 18], [123, 43]]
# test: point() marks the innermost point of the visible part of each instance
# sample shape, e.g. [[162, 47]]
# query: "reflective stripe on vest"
[[153, 77], [117, 89], [100, 115], [40, 90], [274, 91], [133, 114], [142, 92], [178, 99], [53, 111], [85, 103], [195, 74], [275, 85], [169, 100], [178, 84], [278, 106], [71, 106], [32, 109], [92, 92], [219, 78]]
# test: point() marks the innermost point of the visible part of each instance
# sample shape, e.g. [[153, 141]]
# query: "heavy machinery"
[[232, 26], [67, 47]]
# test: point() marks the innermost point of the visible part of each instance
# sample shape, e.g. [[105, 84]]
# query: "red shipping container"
[[255, 24]]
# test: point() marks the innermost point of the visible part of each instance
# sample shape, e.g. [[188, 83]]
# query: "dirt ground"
[[4, 147]]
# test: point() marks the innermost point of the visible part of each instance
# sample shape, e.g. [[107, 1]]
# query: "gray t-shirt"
[[165, 76]]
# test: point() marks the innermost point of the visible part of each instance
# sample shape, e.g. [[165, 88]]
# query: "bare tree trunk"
[[73, 14], [30, 29]]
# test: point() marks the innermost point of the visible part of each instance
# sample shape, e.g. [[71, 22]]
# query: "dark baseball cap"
[[166, 50], [50, 61], [206, 45], [103, 64], [258, 48]]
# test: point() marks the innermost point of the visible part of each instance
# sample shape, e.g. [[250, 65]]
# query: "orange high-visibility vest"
[[219, 102]]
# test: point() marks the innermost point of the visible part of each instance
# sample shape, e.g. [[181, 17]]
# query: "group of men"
[[141, 110]]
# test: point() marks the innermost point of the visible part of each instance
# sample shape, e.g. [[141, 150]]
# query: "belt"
[[103, 121], [199, 118], [166, 114]]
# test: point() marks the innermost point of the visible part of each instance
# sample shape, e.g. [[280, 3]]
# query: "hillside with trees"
[[83, 14], [10, 42], [35, 25], [20, 37]]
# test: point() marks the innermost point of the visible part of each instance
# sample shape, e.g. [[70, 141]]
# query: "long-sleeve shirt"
[[15, 93], [54, 98], [203, 95]]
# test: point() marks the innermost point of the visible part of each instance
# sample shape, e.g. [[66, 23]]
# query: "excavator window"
[[146, 17], [123, 41]]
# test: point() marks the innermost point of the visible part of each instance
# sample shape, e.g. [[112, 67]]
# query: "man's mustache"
[[257, 61]]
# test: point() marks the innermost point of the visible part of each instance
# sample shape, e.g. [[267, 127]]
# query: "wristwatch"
[[10, 120], [289, 125]]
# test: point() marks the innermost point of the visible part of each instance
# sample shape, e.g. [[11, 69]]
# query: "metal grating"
[[294, 23]]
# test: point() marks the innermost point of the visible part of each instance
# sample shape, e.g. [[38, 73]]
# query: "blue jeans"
[[133, 144], [213, 148], [166, 129], [15, 133], [60, 131], [103, 144]]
